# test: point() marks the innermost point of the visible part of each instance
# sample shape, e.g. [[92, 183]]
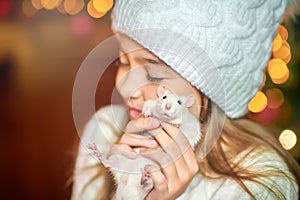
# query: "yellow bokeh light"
[[69, 5], [277, 68], [288, 139], [275, 98], [50, 4], [102, 5], [258, 103], [283, 32], [277, 43], [93, 12], [281, 80], [37, 4], [77, 8]]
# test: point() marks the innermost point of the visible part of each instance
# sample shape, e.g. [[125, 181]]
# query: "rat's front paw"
[[147, 107]]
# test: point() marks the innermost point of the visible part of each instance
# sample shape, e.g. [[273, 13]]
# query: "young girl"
[[217, 51]]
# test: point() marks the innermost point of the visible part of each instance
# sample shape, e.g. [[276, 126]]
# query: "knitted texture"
[[220, 46]]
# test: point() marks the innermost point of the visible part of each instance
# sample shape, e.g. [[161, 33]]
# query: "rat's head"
[[173, 105]]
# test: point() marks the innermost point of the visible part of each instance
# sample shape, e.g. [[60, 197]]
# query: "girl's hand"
[[178, 163], [131, 138]]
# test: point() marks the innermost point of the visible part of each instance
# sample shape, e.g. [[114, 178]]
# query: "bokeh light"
[[81, 25], [283, 52], [37, 4], [277, 43], [288, 139], [283, 32], [5, 7], [278, 70], [69, 5], [275, 98], [50, 4], [93, 12], [77, 8], [102, 6], [28, 9], [258, 103]]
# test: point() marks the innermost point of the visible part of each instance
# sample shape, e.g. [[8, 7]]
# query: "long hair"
[[239, 142]]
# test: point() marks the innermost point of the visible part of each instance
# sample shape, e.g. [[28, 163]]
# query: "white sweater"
[[104, 129]]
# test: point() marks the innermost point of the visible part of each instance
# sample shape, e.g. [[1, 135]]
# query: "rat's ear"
[[161, 90], [189, 100]]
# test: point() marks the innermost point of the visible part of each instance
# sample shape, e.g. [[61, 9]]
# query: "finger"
[[163, 159], [160, 135], [124, 150], [142, 124], [136, 140], [159, 180], [176, 134], [167, 143]]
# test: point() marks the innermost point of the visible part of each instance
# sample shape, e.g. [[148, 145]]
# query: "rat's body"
[[168, 108]]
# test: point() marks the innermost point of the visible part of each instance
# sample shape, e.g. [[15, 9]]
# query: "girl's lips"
[[134, 113]]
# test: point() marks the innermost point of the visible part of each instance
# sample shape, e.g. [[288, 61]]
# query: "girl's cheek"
[[122, 70]]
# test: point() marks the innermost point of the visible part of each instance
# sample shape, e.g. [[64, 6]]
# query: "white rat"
[[168, 107], [173, 109]]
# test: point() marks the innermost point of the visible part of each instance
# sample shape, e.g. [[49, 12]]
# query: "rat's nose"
[[167, 106]]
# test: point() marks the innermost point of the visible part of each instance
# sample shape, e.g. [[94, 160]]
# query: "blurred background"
[[42, 45]]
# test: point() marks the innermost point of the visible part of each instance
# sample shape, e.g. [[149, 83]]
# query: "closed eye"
[[153, 79]]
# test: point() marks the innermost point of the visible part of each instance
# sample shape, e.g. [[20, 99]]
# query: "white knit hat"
[[220, 46]]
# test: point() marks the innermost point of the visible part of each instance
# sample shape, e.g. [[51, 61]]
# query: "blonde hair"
[[240, 141]]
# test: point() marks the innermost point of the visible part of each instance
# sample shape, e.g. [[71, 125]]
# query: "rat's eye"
[[164, 97], [179, 102]]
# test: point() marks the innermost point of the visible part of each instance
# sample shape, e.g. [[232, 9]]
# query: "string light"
[[288, 139]]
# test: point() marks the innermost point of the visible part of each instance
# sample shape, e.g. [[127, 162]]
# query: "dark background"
[[39, 58]]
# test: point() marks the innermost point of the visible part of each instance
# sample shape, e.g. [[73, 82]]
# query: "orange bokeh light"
[[277, 68], [277, 43], [102, 6], [258, 103], [93, 12], [283, 32]]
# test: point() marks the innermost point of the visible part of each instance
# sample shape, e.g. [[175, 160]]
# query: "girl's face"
[[140, 73]]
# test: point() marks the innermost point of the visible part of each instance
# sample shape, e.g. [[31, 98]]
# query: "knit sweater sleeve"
[[103, 129]]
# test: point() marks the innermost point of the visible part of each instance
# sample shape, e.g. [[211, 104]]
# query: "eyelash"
[[153, 79], [149, 78]]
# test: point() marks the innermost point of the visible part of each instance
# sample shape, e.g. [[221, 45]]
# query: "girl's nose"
[[130, 84]]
